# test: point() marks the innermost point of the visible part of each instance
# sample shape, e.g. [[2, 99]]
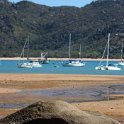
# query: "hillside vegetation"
[[49, 28]]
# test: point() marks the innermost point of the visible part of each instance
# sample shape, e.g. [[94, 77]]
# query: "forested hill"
[[49, 27]]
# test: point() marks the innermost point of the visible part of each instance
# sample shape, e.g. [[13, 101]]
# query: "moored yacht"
[[24, 65], [107, 66], [71, 62], [28, 63]]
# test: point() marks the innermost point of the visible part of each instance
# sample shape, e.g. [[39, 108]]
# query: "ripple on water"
[[13, 105], [81, 94], [94, 93]]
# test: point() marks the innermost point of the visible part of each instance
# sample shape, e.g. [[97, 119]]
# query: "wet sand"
[[33, 81], [112, 108], [11, 84], [8, 90]]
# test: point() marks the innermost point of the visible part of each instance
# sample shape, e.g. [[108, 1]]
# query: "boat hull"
[[74, 64], [107, 68], [29, 65], [36, 65], [24, 65], [121, 63]]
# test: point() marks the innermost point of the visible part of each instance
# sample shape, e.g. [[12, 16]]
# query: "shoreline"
[[64, 75], [54, 76], [55, 59]]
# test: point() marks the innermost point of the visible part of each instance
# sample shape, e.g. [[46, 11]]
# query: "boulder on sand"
[[55, 112]]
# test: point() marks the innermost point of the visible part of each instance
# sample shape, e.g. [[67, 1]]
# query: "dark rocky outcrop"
[[55, 112]]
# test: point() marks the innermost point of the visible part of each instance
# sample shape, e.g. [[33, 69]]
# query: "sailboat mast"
[[28, 48], [122, 52], [23, 50], [108, 49], [80, 52], [70, 46]]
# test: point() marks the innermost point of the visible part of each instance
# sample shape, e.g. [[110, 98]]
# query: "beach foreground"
[[12, 84]]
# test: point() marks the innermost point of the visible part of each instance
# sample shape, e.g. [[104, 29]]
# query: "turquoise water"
[[55, 67]]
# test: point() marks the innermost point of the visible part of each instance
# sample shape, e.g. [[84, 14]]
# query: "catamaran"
[[28, 63], [122, 61], [107, 66], [73, 63]]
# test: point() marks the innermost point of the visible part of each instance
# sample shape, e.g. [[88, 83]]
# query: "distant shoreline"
[[84, 59]]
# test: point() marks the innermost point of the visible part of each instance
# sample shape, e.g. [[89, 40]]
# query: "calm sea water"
[[55, 67]]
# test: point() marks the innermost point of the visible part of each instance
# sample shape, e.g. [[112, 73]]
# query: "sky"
[[77, 3]]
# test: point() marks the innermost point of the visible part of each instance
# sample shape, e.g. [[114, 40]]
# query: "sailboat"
[[29, 63], [73, 63], [23, 64], [122, 61], [107, 66]]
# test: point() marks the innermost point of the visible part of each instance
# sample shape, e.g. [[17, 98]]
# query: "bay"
[[56, 67]]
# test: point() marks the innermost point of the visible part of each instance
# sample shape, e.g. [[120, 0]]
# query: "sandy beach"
[[61, 59], [12, 84]]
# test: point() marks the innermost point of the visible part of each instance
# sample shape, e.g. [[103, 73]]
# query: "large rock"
[[55, 112]]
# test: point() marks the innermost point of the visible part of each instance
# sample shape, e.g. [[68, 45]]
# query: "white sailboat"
[[107, 66], [28, 63], [122, 61], [24, 64], [73, 63]]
